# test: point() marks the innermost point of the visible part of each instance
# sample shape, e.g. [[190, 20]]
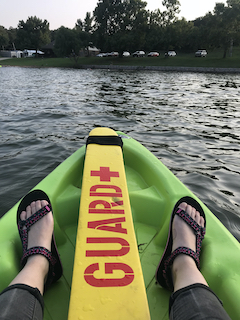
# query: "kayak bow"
[[153, 191]]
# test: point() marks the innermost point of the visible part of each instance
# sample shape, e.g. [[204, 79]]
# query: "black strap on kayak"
[[105, 140]]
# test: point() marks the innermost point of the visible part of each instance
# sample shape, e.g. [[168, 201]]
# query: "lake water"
[[190, 121]]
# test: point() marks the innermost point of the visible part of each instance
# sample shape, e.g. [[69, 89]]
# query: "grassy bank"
[[214, 59]]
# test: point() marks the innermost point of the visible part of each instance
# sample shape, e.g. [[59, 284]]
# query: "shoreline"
[[140, 68], [163, 68]]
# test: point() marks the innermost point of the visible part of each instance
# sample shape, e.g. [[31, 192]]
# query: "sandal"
[[55, 265], [163, 273]]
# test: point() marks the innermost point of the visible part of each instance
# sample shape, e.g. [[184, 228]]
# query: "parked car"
[[153, 54], [101, 55], [138, 54], [126, 54], [201, 53], [171, 53], [113, 54]]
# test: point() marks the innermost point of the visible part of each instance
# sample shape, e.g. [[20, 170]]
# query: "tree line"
[[126, 25]]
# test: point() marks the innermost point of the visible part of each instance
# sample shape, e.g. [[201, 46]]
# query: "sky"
[[66, 12]]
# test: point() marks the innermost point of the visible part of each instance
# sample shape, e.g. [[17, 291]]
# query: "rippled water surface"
[[191, 122]]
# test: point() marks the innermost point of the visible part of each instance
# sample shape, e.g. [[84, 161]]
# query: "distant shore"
[[147, 68], [181, 63], [163, 68]]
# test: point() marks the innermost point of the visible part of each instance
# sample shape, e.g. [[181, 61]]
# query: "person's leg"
[[196, 302], [192, 298], [21, 302], [22, 299]]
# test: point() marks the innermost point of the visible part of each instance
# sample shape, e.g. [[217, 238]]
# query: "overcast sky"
[[66, 12]]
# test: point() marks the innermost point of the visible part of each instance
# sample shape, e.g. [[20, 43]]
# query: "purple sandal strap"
[[24, 238], [39, 250], [199, 244], [182, 250], [198, 230], [34, 218], [48, 255], [169, 261]]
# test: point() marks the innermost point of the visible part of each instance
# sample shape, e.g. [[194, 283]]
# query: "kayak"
[[153, 192]]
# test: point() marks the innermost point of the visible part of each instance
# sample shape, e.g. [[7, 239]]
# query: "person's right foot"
[[184, 269]]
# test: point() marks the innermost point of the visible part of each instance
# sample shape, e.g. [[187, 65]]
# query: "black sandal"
[[55, 265], [163, 273]]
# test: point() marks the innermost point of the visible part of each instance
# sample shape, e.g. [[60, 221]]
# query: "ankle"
[[185, 272], [38, 262], [183, 261], [182, 267]]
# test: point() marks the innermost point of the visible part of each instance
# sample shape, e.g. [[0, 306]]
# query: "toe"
[[29, 210], [183, 206], [33, 207], [38, 205], [198, 218], [194, 213], [43, 203], [202, 221], [23, 215], [190, 211]]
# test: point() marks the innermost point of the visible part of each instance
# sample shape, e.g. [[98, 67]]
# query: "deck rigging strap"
[[105, 140]]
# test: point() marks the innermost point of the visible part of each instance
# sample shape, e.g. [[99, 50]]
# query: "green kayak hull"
[[153, 192]]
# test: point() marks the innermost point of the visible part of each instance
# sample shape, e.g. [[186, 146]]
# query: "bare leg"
[[40, 234], [184, 269]]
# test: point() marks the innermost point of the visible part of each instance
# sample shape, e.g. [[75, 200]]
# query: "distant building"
[[32, 53], [89, 51], [11, 53], [49, 50]]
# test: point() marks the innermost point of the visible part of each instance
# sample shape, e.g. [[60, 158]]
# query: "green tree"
[[33, 34], [221, 28], [67, 42], [84, 30], [207, 36], [227, 19], [108, 21], [138, 21], [154, 38], [169, 15], [87, 24], [4, 38], [167, 18], [180, 35], [120, 24], [79, 25], [12, 34]]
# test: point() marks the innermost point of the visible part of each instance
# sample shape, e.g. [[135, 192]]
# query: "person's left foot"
[[40, 234]]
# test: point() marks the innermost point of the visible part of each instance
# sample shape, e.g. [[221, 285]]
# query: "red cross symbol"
[[105, 174]]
